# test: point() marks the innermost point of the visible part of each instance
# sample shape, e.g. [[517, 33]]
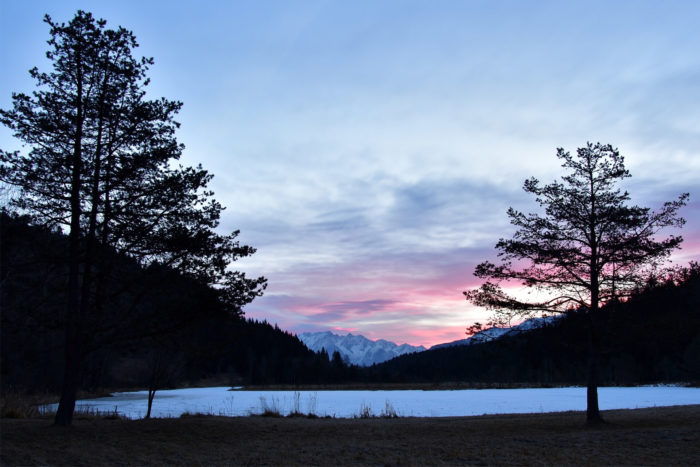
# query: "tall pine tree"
[[587, 248], [100, 167]]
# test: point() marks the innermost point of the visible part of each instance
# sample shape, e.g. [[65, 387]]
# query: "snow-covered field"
[[222, 401]]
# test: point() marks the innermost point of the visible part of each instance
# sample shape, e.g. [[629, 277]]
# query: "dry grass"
[[659, 436]]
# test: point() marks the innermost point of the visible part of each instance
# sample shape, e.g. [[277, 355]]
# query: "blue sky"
[[369, 150]]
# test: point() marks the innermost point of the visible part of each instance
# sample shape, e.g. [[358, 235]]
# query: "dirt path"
[[659, 436]]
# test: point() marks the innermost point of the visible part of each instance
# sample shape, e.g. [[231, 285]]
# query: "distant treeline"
[[653, 337]]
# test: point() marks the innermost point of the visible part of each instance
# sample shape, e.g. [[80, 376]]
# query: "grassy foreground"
[[658, 436]]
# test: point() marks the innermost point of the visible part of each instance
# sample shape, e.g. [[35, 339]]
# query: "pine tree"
[[588, 248], [100, 167]]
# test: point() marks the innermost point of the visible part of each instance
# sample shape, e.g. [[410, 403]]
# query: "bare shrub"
[[389, 411], [270, 410], [365, 411]]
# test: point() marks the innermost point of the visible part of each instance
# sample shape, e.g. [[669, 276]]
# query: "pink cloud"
[[405, 298]]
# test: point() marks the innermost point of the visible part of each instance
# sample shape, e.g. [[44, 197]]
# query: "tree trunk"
[[73, 351], [151, 395], [71, 381], [592, 409]]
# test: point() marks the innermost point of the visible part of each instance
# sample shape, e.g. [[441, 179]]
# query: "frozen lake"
[[414, 403]]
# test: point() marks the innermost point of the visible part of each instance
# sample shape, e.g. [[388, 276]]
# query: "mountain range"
[[358, 350]]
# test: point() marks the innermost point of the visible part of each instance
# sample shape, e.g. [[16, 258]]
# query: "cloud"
[[352, 311]]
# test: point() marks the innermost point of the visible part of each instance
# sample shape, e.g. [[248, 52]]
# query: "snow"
[[496, 333], [357, 349], [413, 403]]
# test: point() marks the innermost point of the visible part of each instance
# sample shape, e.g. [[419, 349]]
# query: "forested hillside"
[[171, 328]]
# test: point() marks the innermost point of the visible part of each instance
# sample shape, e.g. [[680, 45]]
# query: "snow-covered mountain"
[[356, 349], [359, 350], [496, 332]]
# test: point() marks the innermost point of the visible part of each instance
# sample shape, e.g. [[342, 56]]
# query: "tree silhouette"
[[588, 248], [100, 167]]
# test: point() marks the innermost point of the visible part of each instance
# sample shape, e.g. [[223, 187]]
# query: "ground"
[[657, 436]]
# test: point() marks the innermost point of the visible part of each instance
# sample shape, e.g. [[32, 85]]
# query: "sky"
[[369, 150]]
